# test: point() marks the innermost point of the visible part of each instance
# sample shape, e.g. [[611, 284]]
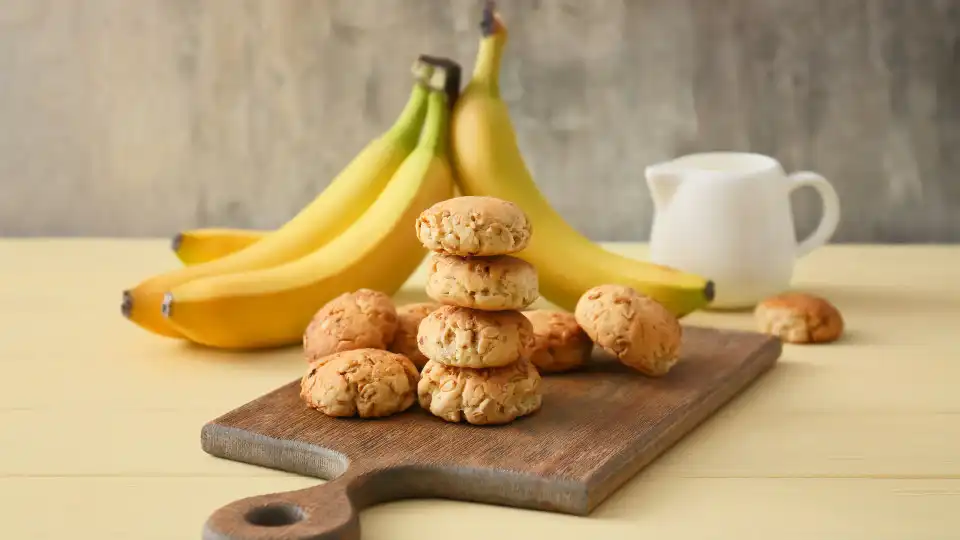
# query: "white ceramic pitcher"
[[727, 216]]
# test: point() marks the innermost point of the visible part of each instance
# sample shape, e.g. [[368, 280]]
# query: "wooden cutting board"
[[597, 428]]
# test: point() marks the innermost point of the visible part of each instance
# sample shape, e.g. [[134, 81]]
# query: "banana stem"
[[126, 307], [407, 125], [436, 126], [422, 69], [489, 22], [487, 69], [453, 74]]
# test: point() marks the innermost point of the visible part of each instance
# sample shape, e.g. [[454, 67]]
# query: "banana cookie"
[[487, 283], [464, 337], [368, 383], [408, 323], [358, 320], [480, 396], [474, 226], [559, 344], [636, 329], [799, 318]]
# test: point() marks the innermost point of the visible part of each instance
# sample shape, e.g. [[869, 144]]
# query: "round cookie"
[[559, 344], [488, 283], [636, 329], [799, 318], [408, 323], [463, 337], [469, 226], [362, 382], [358, 320], [480, 396]]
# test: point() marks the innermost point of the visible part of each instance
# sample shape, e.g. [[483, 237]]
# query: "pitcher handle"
[[831, 210]]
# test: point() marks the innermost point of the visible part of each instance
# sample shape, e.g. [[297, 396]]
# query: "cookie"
[[408, 322], [799, 318], [463, 337], [358, 320], [559, 344], [480, 396], [636, 329], [469, 226], [487, 283], [362, 382]]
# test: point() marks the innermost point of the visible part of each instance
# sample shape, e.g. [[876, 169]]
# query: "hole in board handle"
[[274, 515]]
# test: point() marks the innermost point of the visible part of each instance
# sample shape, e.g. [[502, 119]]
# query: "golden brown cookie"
[[365, 382], [799, 318], [480, 396], [487, 283], [464, 337], [631, 326], [358, 320], [474, 226], [408, 323], [559, 344]]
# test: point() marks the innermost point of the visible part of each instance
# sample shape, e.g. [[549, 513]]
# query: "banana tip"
[[709, 291], [126, 305], [176, 242], [167, 306]]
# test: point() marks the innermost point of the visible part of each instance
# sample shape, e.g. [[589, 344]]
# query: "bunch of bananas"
[[252, 289]]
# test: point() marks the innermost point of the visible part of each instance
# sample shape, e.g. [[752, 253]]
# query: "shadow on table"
[[192, 352]]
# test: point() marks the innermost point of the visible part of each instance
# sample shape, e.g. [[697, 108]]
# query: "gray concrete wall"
[[142, 118]]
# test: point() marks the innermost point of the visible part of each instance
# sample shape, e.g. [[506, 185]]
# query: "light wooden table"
[[100, 422]]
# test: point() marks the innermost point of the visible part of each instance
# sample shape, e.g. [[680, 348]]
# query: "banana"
[[272, 307], [198, 246], [487, 161], [203, 245], [347, 197]]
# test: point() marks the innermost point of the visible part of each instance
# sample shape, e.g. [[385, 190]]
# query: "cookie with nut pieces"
[[488, 283], [480, 396], [368, 383], [356, 320], [409, 317], [462, 337], [559, 344], [631, 326], [799, 318], [474, 226]]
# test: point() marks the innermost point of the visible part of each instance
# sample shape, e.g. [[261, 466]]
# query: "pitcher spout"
[[662, 180]]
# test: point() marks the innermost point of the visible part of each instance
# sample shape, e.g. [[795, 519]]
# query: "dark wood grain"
[[597, 428]]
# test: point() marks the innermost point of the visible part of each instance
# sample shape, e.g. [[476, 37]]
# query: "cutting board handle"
[[325, 512]]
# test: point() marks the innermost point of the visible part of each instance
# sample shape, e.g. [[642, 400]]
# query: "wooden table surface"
[[100, 421]]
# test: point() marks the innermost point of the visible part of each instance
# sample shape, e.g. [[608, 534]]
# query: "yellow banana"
[[272, 307], [487, 161], [347, 197], [196, 246], [203, 245]]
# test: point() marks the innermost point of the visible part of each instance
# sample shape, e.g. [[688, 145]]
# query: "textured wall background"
[[142, 118]]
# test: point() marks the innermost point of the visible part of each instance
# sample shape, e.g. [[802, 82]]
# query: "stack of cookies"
[[477, 343]]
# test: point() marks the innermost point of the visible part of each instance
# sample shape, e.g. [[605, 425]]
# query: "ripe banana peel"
[[197, 246], [344, 201], [272, 306], [487, 161]]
